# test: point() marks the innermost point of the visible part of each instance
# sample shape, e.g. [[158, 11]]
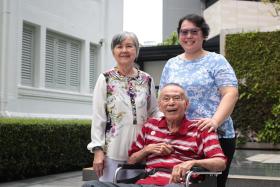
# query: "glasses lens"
[[175, 98], [193, 31]]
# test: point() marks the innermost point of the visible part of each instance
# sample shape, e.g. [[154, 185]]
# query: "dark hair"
[[198, 21]]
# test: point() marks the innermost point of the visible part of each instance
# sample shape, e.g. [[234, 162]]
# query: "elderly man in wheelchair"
[[172, 146]]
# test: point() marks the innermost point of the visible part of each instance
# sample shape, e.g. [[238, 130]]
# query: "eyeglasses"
[[185, 32], [175, 98]]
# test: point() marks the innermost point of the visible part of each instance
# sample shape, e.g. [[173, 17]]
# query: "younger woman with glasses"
[[210, 82]]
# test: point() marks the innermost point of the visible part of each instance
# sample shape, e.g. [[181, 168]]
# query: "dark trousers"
[[228, 146]]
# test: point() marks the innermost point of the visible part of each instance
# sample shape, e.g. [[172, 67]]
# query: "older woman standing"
[[124, 97], [210, 82]]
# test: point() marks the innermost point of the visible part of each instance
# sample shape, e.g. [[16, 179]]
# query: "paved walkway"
[[256, 163], [68, 179], [246, 162]]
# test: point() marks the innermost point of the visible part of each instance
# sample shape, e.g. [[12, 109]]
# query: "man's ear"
[[159, 105], [187, 103]]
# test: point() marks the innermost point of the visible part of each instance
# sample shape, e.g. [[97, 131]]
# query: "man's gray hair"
[[175, 84], [120, 37]]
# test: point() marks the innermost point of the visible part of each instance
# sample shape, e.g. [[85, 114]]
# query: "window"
[[92, 66], [27, 55], [62, 62]]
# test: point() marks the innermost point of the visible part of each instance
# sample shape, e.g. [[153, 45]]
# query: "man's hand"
[[159, 149], [179, 171], [98, 162], [156, 149]]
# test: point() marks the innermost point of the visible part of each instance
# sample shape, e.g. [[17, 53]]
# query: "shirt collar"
[[183, 127]]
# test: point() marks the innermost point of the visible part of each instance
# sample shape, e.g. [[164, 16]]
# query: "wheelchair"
[[207, 178]]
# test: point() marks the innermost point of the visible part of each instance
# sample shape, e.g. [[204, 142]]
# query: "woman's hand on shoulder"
[[207, 123]]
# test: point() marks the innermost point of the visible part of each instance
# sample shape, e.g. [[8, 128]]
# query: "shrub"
[[35, 147], [271, 132], [255, 58]]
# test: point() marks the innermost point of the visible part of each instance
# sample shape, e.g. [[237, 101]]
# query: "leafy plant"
[[276, 6], [255, 57], [171, 40], [271, 132]]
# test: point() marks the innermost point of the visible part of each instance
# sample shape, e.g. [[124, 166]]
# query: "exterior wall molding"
[[8, 114], [40, 93]]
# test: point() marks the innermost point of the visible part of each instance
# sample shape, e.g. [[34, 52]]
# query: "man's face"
[[173, 103]]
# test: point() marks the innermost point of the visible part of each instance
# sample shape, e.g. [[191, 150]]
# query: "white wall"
[[173, 10], [88, 21], [154, 68], [233, 14]]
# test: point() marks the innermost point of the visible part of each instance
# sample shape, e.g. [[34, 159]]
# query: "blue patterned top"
[[201, 78]]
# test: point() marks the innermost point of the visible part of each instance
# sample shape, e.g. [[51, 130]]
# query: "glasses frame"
[[175, 98], [193, 32]]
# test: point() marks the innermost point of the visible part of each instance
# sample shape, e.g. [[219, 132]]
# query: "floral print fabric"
[[121, 105]]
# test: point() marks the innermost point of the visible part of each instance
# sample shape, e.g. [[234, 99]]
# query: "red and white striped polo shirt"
[[189, 143]]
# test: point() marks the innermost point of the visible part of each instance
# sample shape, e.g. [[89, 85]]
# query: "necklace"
[[130, 73]]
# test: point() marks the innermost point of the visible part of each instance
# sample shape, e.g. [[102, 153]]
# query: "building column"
[[4, 32]]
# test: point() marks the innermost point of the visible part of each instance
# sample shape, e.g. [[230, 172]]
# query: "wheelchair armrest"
[[132, 166], [200, 171], [138, 166]]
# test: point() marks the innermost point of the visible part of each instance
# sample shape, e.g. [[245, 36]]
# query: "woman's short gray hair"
[[119, 38]]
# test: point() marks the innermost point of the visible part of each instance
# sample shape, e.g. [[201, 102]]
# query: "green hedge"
[[255, 58], [35, 147]]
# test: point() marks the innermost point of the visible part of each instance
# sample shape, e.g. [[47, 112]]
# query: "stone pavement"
[[68, 179], [256, 163], [252, 164]]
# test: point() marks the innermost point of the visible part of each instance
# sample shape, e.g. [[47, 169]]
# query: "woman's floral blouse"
[[121, 105]]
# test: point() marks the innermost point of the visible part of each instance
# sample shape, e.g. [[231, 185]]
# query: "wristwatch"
[[96, 148]]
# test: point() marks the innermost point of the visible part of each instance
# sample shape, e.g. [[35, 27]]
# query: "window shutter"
[[49, 71], [62, 62], [92, 66], [27, 55], [74, 65]]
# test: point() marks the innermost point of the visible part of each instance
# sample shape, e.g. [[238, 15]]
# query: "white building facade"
[[220, 14], [51, 53], [242, 15]]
